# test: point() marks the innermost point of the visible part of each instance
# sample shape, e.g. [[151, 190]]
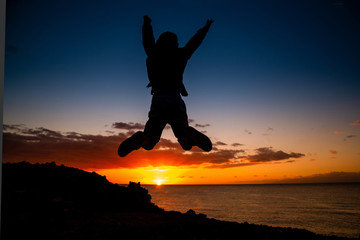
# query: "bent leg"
[[149, 143], [153, 130], [179, 124]]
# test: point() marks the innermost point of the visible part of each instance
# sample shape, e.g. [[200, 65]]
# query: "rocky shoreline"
[[46, 201]]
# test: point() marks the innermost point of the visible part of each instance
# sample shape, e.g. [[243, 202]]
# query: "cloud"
[[91, 152], [202, 125], [73, 149], [198, 125], [264, 155], [231, 165], [356, 122], [269, 155], [96, 151], [128, 126], [268, 131], [247, 131], [12, 127], [348, 137], [330, 177], [219, 143], [167, 144], [333, 152], [237, 144], [338, 132], [140, 126]]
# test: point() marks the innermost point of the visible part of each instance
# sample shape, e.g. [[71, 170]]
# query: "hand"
[[209, 22], [147, 19]]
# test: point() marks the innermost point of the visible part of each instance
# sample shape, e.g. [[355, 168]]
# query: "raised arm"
[[197, 39], [148, 35]]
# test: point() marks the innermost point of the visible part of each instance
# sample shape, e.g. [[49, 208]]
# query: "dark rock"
[[190, 213]]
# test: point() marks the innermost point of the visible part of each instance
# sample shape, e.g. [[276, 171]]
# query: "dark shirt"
[[165, 67]]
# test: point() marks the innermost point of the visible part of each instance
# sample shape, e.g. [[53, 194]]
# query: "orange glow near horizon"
[[200, 174], [146, 175], [186, 175]]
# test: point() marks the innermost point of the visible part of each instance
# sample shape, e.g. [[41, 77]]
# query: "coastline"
[[57, 202]]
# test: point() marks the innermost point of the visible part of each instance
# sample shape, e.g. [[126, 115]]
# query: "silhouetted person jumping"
[[165, 67]]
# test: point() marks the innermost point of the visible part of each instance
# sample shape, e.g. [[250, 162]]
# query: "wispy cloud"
[[323, 178], [356, 122], [219, 143], [128, 126], [202, 125], [268, 131], [247, 131], [237, 144], [349, 137], [333, 152], [231, 165]]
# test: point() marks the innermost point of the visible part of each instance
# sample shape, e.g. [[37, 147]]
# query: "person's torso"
[[165, 70]]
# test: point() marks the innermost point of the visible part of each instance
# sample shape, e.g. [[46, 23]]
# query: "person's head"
[[167, 40]]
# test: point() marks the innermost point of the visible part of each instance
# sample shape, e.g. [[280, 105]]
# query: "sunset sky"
[[275, 85]]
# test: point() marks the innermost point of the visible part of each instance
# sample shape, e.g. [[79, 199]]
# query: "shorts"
[[166, 108]]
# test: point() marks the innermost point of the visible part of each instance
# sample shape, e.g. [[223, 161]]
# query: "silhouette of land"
[[46, 201]]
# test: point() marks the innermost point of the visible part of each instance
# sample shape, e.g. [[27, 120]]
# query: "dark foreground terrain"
[[46, 201]]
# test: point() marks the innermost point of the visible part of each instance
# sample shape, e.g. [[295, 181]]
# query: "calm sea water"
[[331, 209]]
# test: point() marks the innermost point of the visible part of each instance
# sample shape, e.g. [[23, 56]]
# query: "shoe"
[[185, 143], [199, 139], [132, 143]]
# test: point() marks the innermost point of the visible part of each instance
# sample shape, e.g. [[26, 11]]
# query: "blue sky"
[[289, 66], [89, 54]]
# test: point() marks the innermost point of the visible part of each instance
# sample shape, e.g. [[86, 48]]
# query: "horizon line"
[[237, 184]]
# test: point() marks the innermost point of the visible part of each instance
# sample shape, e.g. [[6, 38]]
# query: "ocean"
[[330, 209]]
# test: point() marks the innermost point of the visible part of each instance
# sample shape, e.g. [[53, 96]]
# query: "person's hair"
[[167, 40]]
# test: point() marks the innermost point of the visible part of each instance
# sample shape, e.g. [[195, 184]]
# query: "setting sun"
[[159, 182]]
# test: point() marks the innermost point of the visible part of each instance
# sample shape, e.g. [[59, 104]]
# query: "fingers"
[[209, 22], [147, 19]]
